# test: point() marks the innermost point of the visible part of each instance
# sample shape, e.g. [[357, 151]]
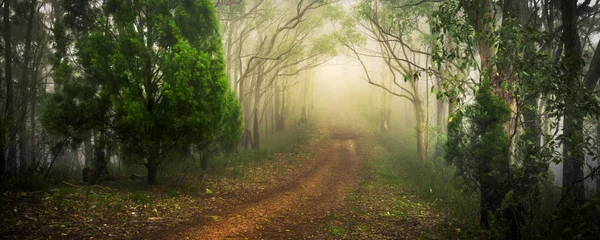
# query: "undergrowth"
[[118, 208], [393, 159], [435, 183]]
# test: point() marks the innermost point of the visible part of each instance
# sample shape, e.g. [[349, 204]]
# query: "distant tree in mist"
[[403, 45], [268, 43]]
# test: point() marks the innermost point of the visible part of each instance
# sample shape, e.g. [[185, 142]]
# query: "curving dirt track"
[[294, 211]]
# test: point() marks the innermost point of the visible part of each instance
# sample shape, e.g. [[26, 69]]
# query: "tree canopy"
[[154, 75]]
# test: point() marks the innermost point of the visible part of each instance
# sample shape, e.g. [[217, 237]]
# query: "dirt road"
[[293, 211], [334, 184]]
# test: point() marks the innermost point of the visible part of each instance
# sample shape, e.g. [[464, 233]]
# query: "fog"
[[300, 119]]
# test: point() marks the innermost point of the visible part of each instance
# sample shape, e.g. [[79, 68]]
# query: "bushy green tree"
[[158, 66], [479, 147]]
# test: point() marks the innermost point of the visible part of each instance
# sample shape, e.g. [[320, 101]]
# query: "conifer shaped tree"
[[158, 66]]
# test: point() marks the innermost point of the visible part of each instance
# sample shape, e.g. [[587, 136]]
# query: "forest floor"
[[336, 196], [325, 189]]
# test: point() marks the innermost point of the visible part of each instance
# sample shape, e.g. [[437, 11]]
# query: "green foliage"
[[455, 49], [478, 147], [393, 159], [477, 143], [338, 231], [156, 80], [397, 18], [76, 108], [232, 124], [522, 71], [139, 198]]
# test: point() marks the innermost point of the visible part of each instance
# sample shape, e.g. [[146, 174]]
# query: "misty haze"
[[300, 119]]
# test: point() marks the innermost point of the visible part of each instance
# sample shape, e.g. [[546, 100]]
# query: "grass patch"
[[338, 231], [139, 198], [433, 181], [178, 177], [362, 228], [236, 165], [392, 158]]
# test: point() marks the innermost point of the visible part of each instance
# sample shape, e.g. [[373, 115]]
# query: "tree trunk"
[[24, 85], [383, 111], [274, 111], [256, 123], [245, 108], [204, 158], [573, 120], [421, 129], [5, 81], [484, 221], [312, 95], [152, 167], [9, 105], [277, 107], [282, 111], [304, 114], [407, 118], [388, 111], [531, 116], [492, 193], [593, 74], [88, 150], [185, 152], [266, 117], [491, 188], [100, 154], [598, 152], [256, 131], [592, 81], [32, 114]]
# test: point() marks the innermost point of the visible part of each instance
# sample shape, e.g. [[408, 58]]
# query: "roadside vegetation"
[[286, 119], [128, 208]]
